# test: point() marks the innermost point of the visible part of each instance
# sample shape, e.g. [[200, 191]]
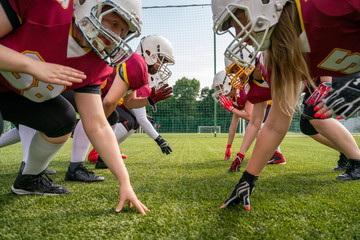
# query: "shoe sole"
[[79, 180], [24, 192], [282, 163]]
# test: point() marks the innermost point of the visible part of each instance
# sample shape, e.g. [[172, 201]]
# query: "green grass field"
[[299, 200]]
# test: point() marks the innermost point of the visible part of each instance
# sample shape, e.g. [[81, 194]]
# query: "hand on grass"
[[128, 195]]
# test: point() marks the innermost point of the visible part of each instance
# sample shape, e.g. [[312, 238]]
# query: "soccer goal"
[[209, 129]]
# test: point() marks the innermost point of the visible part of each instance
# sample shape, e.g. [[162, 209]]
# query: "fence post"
[[214, 75]]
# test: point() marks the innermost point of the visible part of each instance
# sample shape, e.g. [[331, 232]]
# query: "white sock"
[[10, 137], [114, 126], [40, 154], [120, 132], [278, 149], [126, 136], [26, 135], [80, 145]]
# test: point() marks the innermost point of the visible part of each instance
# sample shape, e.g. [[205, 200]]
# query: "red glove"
[[236, 164], [226, 103], [160, 94], [228, 152], [319, 93]]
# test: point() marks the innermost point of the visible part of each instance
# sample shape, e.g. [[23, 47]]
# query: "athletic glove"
[[165, 148], [236, 164], [242, 191], [226, 103], [344, 99], [228, 152], [160, 94], [319, 93]]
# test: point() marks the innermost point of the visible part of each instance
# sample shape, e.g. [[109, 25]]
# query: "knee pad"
[[130, 123], [113, 118], [66, 125], [306, 127]]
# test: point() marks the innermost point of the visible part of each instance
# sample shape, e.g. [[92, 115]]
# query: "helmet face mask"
[[88, 17], [261, 18], [238, 75], [156, 82], [222, 85]]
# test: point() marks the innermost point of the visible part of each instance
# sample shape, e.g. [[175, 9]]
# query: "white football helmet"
[[155, 81], [237, 74], [221, 84], [157, 50], [262, 17], [88, 16]]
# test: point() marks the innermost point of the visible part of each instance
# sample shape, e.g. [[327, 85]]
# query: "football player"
[[286, 30], [239, 106], [141, 119], [256, 90], [153, 54], [42, 56]]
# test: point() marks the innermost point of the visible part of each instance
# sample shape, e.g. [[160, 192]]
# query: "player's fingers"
[[223, 206], [140, 207], [73, 75], [120, 206]]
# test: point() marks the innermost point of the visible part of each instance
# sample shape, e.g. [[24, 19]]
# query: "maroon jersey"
[[133, 72], [45, 35], [259, 90], [143, 92], [240, 99], [332, 29]]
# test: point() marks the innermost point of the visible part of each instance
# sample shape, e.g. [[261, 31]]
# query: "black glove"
[[165, 148], [242, 191], [344, 99], [151, 119]]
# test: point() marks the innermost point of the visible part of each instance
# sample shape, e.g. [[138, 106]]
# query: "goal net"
[[209, 129]]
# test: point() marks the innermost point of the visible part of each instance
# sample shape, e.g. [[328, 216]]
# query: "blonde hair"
[[286, 61]]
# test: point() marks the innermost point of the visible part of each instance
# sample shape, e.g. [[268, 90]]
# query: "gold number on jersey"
[[29, 86], [64, 3], [340, 60]]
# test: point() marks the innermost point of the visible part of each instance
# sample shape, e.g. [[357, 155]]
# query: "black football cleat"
[[343, 162], [352, 171], [37, 184], [82, 174]]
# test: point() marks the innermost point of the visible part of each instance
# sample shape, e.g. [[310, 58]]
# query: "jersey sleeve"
[[134, 72], [143, 92]]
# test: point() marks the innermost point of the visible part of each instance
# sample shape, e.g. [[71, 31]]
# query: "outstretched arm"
[[103, 139]]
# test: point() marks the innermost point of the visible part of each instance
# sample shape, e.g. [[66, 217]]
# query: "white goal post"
[[209, 129]]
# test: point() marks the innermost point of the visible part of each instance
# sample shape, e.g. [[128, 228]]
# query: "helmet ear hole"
[[81, 2]]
